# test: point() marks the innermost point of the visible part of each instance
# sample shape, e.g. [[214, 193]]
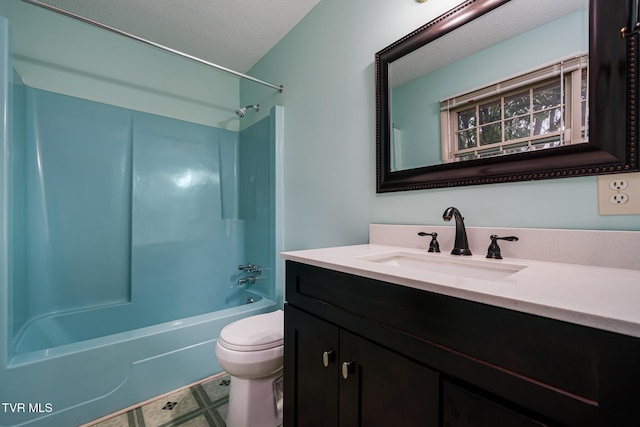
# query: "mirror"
[[451, 96]]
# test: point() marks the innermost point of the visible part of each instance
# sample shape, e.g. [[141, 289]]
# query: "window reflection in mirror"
[[542, 109], [540, 114]]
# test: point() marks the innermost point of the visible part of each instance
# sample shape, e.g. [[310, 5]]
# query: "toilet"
[[251, 351]]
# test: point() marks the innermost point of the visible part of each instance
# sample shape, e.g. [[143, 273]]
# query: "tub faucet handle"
[[251, 268]]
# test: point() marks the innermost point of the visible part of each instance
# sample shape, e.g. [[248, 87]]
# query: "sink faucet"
[[461, 245]]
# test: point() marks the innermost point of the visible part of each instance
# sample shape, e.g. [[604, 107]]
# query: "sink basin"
[[446, 264]]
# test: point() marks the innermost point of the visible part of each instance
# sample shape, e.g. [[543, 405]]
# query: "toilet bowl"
[[251, 351]]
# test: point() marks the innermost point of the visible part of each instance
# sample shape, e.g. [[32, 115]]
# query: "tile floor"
[[200, 405]]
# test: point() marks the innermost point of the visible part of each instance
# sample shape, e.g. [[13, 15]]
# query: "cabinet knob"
[[348, 368], [328, 356]]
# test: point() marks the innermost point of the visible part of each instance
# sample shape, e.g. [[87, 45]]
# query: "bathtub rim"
[[263, 305], [18, 336]]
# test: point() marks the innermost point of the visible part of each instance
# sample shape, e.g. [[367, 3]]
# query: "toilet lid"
[[259, 332]]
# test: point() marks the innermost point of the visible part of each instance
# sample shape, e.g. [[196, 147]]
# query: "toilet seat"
[[255, 333]]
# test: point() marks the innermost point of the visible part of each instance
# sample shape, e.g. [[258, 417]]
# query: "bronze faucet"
[[461, 245]]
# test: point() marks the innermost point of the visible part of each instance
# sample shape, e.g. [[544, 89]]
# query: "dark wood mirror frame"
[[613, 108]]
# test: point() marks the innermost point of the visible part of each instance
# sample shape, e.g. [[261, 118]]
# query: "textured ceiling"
[[231, 33]]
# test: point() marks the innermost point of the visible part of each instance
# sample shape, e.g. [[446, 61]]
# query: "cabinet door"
[[384, 388], [311, 388], [462, 408]]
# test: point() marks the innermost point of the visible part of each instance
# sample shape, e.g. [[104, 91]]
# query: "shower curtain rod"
[[154, 44]]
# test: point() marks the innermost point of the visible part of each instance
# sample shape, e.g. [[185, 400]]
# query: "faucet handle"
[[250, 268], [434, 246], [494, 249]]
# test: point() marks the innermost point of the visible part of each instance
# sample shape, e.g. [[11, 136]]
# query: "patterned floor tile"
[[201, 405], [172, 408], [220, 413], [202, 420], [216, 389], [215, 393], [122, 420]]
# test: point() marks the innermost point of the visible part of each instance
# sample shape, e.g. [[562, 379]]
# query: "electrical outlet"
[[619, 198], [618, 184], [619, 194]]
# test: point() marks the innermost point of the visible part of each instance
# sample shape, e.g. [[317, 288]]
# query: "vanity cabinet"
[[463, 408], [419, 358], [342, 379]]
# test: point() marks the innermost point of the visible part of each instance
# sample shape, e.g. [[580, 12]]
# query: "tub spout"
[[461, 245], [247, 280]]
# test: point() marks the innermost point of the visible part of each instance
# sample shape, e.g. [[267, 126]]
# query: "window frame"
[[573, 103]]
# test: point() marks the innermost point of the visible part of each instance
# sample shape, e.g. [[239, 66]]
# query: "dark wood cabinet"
[[426, 359], [342, 379], [385, 388], [313, 369], [463, 408]]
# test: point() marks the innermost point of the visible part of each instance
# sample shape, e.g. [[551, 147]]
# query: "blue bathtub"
[[120, 237], [74, 383]]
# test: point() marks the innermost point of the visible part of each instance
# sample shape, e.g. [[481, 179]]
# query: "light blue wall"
[[6, 274], [58, 54], [256, 206], [113, 204], [127, 214], [131, 212], [326, 64], [83, 74]]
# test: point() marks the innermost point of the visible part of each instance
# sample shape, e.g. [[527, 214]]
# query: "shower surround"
[[121, 233]]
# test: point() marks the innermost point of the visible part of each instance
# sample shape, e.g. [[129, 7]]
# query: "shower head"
[[240, 111]]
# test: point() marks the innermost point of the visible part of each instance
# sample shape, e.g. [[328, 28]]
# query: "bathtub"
[[108, 288], [115, 371]]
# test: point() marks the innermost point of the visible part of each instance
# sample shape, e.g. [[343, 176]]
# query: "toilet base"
[[252, 402]]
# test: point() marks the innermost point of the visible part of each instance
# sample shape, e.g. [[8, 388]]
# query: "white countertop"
[[600, 297]]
